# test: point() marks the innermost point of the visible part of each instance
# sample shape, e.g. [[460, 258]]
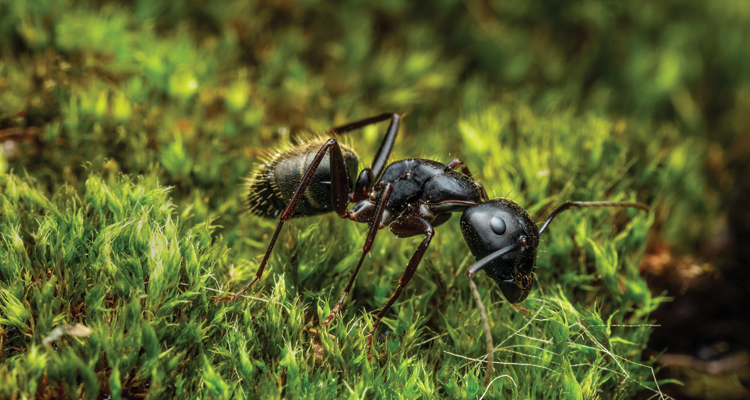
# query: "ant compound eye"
[[498, 225], [524, 240]]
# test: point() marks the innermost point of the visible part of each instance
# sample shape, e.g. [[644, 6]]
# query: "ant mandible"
[[411, 197]]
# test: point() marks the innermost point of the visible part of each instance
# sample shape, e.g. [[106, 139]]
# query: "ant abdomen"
[[271, 186]]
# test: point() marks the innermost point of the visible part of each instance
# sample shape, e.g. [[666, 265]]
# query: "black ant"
[[411, 197]]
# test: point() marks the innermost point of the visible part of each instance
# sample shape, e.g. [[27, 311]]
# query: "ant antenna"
[[568, 204], [489, 258]]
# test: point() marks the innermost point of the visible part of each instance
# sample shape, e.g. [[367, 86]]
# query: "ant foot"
[[518, 307], [332, 315], [238, 294], [368, 344], [335, 310], [369, 338]]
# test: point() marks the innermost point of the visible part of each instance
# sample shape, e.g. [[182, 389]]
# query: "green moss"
[[121, 204]]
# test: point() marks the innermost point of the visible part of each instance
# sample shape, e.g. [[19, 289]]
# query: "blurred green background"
[[104, 105]]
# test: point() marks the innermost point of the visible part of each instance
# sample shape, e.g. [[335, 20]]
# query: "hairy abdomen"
[[272, 185]]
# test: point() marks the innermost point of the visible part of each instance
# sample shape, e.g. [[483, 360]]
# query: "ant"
[[411, 197]]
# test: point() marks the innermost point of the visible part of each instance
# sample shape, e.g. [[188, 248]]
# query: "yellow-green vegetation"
[[128, 129]]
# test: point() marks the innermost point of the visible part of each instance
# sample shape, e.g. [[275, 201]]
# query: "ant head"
[[502, 226]]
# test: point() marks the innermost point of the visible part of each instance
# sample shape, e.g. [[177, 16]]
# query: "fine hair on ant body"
[[411, 197]]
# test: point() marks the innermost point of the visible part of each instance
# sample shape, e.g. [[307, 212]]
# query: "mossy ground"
[[129, 129]]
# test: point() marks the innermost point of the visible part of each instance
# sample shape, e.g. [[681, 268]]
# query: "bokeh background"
[[546, 100]]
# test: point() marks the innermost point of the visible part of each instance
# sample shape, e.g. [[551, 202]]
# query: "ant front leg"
[[486, 324], [339, 199], [410, 225], [456, 163], [374, 227], [478, 266]]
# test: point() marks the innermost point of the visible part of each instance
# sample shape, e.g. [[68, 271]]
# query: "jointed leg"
[[456, 163], [339, 198], [487, 332], [381, 156], [409, 226], [368, 176], [478, 266], [374, 226]]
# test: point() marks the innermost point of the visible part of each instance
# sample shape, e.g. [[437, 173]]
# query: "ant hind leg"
[[339, 199]]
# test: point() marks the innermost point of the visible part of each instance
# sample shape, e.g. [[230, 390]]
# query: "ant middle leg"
[[339, 199], [368, 176], [404, 227], [374, 227], [384, 151]]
